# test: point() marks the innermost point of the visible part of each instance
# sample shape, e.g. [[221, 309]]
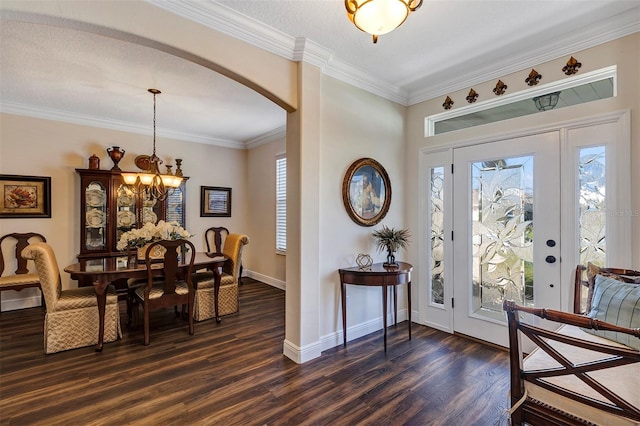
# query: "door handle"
[[550, 259]]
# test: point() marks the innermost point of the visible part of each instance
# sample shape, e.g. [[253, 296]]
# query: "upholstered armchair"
[[71, 320], [228, 300]]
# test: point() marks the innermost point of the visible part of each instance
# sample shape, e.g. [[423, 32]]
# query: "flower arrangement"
[[391, 239], [150, 233]]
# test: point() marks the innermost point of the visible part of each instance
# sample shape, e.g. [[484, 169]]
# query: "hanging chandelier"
[[150, 184], [378, 17]]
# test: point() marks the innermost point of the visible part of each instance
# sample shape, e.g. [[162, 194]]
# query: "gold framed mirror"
[[366, 192]]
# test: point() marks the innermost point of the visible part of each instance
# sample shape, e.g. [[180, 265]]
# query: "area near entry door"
[[506, 231]]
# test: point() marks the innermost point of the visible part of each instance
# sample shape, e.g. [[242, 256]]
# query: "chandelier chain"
[[154, 124]]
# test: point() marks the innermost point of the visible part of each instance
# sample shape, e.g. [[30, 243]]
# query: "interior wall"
[[355, 124], [267, 265], [624, 52], [37, 147]]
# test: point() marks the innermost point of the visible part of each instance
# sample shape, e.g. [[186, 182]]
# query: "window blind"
[[281, 204]]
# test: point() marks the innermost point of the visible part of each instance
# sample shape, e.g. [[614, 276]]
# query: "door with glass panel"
[[497, 224], [437, 187], [506, 244]]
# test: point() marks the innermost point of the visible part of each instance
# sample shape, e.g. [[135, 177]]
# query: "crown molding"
[[249, 30], [277, 134], [228, 21], [608, 30], [100, 122]]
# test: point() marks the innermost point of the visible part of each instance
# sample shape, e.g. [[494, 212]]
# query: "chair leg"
[[135, 308], [181, 314], [133, 313], [129, 308], [190, 310], [146, 322]]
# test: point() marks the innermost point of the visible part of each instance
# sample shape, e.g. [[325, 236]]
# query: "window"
[[599, 84], [281, 204]]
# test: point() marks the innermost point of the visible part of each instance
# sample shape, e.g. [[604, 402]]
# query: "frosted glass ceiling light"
[[378, 17]]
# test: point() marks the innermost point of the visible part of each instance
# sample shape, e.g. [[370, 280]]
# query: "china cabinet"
[[109, 208]]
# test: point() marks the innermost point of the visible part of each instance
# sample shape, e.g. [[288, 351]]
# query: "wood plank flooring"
[[234, 373]]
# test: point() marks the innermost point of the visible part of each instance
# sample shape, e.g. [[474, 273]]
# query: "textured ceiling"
[[80, 77]]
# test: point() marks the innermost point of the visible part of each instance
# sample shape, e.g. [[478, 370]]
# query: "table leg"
[[217, 277], [344, 313], [384, 314], [101, 297], [395, 305], [409, 306]]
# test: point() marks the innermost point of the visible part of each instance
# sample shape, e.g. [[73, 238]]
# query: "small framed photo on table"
[[215, 201], [25, 196]]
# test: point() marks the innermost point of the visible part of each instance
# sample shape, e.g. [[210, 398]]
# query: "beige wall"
[[355, 124], [266, 265], [30, 146]]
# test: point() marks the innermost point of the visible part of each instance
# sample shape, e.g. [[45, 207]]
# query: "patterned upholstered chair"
[[71, 320], [22, 278], [228, 300]]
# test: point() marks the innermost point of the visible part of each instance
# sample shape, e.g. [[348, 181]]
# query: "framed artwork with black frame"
[[25, 197], [215, 201]]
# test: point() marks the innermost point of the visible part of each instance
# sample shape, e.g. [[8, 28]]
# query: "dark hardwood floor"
[[234, 373]]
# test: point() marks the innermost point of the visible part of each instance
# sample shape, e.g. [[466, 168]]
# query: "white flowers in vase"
[[150, 233]]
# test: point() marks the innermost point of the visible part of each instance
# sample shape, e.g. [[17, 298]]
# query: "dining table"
[[103, 271]]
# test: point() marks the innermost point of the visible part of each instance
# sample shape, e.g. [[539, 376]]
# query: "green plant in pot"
[[391, 239]]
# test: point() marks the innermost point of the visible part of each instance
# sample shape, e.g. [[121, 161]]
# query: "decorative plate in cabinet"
[[95, 218]]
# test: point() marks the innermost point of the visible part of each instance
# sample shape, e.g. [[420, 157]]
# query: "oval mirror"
[[366, 192]]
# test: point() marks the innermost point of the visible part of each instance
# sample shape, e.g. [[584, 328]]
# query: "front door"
[[506, 208]]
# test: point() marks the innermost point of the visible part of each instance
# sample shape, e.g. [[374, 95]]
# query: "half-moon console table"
[[377, 275]]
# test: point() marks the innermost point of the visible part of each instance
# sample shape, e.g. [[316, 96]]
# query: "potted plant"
[[391, 239]]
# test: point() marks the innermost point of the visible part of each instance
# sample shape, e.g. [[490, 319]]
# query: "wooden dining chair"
[[22, 278], [215, 235], [175, 288]]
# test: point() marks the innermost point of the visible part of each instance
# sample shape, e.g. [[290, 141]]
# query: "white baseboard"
[[266, 279], [20, 303], [300, 355], [358, 330]]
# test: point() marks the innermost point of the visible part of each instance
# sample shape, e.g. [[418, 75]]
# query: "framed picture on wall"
[[25, 196], [366, 192], [215, 201]]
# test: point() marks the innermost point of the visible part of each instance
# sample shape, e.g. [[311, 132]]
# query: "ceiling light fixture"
[[378, 17], [547, 102], [151, 184]]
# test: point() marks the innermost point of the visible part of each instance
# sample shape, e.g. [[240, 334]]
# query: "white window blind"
[[281, 204]]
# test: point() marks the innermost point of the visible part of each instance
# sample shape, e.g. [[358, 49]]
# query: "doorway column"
[[302, 318]]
